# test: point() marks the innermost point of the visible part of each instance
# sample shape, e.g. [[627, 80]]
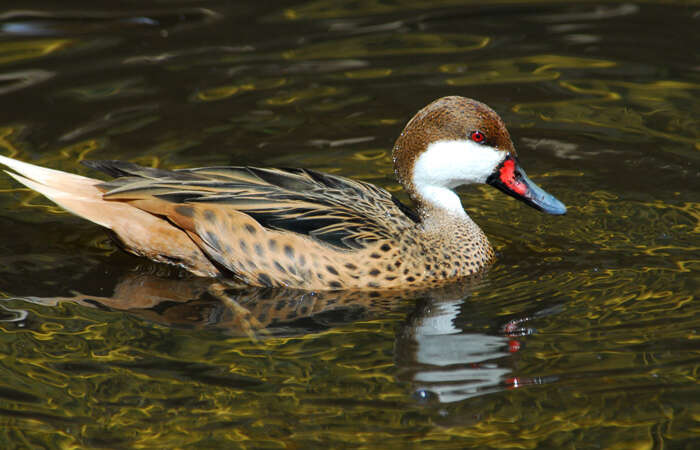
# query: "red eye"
[[477, 136]]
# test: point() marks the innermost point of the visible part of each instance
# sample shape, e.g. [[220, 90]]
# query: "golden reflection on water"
[[244, 386], [389, 45], [517, 70], [11, 52], [369, 73], [646, 106], [222, 92], [6, 143], [288, 97], [129, 87]]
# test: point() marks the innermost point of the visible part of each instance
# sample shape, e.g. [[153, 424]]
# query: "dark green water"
[[583, 335]]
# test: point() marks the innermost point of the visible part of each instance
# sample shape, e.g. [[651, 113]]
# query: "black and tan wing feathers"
[[269, 227], [335, 211]]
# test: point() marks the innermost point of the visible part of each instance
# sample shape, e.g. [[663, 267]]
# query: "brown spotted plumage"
[[300, 228]]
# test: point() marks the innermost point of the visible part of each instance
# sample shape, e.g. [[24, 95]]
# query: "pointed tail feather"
[[140, 232], [46, 176], [74, 193]]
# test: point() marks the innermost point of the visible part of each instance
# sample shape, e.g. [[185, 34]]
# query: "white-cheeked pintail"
[[304, 229]]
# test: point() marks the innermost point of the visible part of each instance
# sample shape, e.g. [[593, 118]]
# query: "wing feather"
[[336, 211]]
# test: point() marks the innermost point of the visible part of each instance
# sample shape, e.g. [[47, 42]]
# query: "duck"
[[304, 229]]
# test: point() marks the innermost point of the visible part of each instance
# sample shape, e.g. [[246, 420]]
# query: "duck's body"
[[303, 229]]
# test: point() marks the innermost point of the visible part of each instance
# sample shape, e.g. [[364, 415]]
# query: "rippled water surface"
[[583, 335]]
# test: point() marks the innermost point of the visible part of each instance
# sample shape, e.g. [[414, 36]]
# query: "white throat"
[[444, 165]]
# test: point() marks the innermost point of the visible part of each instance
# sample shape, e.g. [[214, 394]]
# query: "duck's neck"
[[439, 201], [441, 212]]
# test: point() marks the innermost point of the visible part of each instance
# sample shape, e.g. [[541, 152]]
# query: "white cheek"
[[448, 164], [454, 163]]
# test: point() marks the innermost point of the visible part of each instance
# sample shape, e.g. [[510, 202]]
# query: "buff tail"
[[140, 232]]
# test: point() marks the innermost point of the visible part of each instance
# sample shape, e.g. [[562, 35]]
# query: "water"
[[583, 335]]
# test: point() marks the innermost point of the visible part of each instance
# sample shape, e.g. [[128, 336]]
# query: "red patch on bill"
[[507, 177]]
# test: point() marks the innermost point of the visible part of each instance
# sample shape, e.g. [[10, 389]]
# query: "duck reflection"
[[443, 361], [447, 364]]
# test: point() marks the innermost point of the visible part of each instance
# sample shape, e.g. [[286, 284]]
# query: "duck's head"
[[455, 141]]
